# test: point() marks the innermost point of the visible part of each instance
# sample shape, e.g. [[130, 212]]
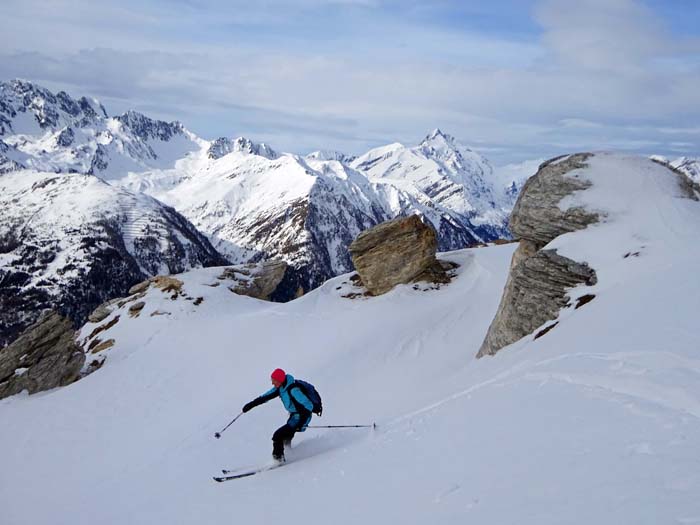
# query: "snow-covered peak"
[[446, 171], [445, 148], [376, 155], [29, 109], [261, 149], [223, 146], [331, 155], [438, 140], [56, 133], [149, 129]]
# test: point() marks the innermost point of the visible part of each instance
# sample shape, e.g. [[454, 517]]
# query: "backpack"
[[310, 391]]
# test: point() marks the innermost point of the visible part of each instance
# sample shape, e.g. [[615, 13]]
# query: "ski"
[[233, 471], [247, 473]]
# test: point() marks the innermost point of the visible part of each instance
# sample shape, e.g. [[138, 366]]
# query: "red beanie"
[[279, 375]]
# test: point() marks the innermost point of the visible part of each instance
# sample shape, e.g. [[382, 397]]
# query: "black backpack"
[[310, 391]]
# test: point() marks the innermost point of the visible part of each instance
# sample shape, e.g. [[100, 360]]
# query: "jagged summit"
[[147, 128], [27, 108], [437, 135], [444, 146], [57, 133], [223, 146], [448, 173]]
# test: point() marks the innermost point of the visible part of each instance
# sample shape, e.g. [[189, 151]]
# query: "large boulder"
[[395, 252], [539, 278], [259, 280], [45, 356]]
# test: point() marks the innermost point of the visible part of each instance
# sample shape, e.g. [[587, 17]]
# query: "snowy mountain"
[[223, 146], [258, 207], [71, 241], [450, 175], [57, 133], [252, 202], [254, 205], [598, 421]]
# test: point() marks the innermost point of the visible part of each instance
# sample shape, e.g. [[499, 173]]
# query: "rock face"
[[394, 252], [256, 280], [45, 356], [536, 215], [539, 279]]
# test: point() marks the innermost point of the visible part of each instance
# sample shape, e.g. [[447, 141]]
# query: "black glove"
[[249, 406]]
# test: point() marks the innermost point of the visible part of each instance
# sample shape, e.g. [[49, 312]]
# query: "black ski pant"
[[282, 434], [285, 433]]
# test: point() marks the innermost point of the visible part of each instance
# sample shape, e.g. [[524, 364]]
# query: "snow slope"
[[596, 422]]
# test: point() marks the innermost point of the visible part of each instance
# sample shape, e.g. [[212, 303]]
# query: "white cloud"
[[603, 74]]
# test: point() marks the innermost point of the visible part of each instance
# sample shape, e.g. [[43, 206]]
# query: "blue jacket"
[[294, 400]]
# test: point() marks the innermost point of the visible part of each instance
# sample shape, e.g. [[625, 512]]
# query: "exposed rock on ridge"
[[45, 356], [539, 279], [536, 215], [256, 280]]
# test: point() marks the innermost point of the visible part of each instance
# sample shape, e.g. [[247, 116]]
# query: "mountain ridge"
[[252, 202]]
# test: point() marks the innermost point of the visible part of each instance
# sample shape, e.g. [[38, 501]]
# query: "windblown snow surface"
[[596, 422]]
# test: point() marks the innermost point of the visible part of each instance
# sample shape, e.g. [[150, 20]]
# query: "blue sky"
[[514, 79]]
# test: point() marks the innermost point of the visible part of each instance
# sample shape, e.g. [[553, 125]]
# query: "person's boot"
[[278, 451]]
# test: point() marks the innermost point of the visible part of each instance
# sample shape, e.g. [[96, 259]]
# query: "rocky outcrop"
[[536, 215], [396, 252], [539, 278], [256, 280], [45, 356], [100, 337]]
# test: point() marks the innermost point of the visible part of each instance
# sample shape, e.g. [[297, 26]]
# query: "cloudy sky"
[[514, 79]]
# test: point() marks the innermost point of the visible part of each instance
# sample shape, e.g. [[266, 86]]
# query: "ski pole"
[[217, 435], [373, 425]]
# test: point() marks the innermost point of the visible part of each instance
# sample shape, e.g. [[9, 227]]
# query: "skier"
[[297, 404]]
